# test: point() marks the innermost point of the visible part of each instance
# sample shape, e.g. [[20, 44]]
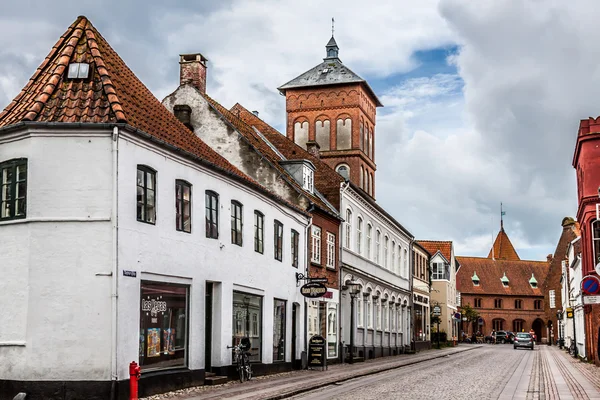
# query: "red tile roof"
[[491, 271], [503, 248], [113, 95], [327, 181], [432, 247]]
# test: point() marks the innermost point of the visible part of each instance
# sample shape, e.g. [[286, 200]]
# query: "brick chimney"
[[313, 148], [549, 257], [192, 69]]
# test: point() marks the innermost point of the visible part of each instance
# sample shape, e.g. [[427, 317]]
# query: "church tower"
[[331, 113]]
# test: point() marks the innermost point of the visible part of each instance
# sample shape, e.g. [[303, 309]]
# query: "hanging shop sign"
[[316, 352], [590, 284], [313, 290], [437, 310], [569, 312]]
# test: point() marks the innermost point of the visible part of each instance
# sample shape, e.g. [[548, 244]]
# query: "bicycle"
[[242, 359], [573, 349]]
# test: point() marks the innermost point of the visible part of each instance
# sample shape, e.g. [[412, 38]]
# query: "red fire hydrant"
[[134, 376]]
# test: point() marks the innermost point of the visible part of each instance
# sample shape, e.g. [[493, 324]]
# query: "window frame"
[[315, 248], [537, 304], [595, 241], [295, 243], [146, 170], [477, 302], [518, 304], [359, 224], [369, 240], [386, 245], [330, 260], [278, 240], [180, 206], [348, 239], [13, 164], [498, 303], [212, 212], [259, 232], [377, 246], [237, 221]]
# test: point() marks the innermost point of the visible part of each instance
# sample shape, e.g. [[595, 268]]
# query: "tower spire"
[[501, 217], [332, 26]]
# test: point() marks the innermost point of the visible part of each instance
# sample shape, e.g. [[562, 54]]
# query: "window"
[[394, 264], [279, 330], [359, 236], [552, 298], [78, 71], [386, 241], [247, 311], [478, 303], [498, 324], [518, 325], [146, 200], [348, 228], [278, 240], [307, 178], [362, 176], [518, 304], [405, 265], [368, 245], [259, 232], [371, 191], [378, 314], [369, 313], [385, 324], [497, 303], [377, 246], [14, 189], [331, 329], [537, 304], [236, 222], [212, 214], [438, 270], [295, 248], [359, 311], [344, 171], [330, 250], [163, 325], [316, 245], [596, 240], [183, 196]]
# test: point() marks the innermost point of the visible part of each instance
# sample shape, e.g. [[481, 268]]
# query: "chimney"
[[192, 70], [549, 257], [313, 148], [184, 115], [255, 113]]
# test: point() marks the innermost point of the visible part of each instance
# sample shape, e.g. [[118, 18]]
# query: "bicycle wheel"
[[241, 368], [248, 367]]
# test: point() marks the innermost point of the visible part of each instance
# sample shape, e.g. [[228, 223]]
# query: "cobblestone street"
[[466, 372]]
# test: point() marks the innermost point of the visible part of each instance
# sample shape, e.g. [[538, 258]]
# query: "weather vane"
[[332, 26]]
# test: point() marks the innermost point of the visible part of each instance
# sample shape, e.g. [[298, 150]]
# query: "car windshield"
[[523, 335]]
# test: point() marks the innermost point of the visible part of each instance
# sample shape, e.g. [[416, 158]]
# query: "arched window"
[[344, 133], [367, 182], [393, 267], [361, 136], [518, 325], [359, 236], [377, 245], [498, 324], [348, 228], [301, 133], [369, 234], [596, 240], [322, 134], [366, 140], [236, 222], [371, 144], [386, 242], [405, 263], [343, 170], [362, 176], [212, 214], [371, 184]]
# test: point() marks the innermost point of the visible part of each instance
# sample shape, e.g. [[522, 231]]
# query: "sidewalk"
[[279, 386], [589, 371]]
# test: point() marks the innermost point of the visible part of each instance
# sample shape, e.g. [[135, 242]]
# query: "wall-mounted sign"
[[316, 352], [313, 290], [132, 274], [457, 315], [591, 299], [320, 280], [569, 312], [590, 284], [480, 321], [437, 310]]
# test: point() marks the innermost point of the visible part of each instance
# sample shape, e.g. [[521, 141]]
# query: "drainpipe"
[[115, 262]]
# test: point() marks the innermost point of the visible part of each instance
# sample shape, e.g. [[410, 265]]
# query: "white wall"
[[56, 311], [159, 252]]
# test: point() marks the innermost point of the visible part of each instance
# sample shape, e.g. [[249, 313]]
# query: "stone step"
[[207, 374], [215, 380]]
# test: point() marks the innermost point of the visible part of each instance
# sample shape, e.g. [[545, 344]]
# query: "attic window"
[[504, 280], [307, 178], [78, 71], [533, 281], [325, 70], [475, 279]]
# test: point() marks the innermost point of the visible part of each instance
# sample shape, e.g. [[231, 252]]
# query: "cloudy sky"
[[482, 98]]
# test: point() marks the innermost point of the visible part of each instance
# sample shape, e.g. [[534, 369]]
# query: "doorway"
[[294, 334], [208, 303], [537, 328]]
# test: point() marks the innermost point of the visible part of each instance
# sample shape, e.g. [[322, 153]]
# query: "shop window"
[[316, 245], [13, 191], [163, 325], [278, 240], [183, 198], [236, 222], [332, 330], [295, 248], [212, 214], [146, 194], [279, 308], [247, 311], [322, 321], [259, 232]]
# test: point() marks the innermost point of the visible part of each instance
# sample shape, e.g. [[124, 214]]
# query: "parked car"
[[500, 337], [523, 339]]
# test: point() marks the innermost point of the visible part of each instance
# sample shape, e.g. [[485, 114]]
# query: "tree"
[[470, 313]]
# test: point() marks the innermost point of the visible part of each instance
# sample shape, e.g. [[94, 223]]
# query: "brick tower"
[[331, 113]]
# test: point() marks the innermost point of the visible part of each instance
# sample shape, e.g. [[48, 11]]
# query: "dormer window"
[[533, 281], [307, 178], [504, 280], [78, 71], [475, 279]]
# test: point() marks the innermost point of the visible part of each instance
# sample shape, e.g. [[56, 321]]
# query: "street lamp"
[[575, 350], [354, 290]]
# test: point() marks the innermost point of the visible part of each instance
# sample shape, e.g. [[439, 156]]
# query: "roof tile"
[[433, 246], [503, 248]]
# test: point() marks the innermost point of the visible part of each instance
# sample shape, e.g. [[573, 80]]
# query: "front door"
[[294, 334], [208, 327]]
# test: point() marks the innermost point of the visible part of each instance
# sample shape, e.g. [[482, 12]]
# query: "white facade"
[[375, 253], [443, 292], [76, 315], [574, 328]]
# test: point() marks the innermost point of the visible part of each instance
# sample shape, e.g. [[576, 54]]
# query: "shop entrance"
[[294, 334], [208, 303]]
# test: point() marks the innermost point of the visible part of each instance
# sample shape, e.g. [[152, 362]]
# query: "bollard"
[[134, 377]]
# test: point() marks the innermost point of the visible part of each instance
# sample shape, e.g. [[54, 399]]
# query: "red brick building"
[[586, 162], [506, 291]]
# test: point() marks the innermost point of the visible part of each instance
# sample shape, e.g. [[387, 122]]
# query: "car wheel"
[[503, 341], [515, 347]]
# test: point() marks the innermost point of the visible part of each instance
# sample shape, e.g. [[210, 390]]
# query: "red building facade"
[[586, 162]]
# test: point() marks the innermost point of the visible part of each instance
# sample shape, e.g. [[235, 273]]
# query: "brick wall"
[[327, 224]]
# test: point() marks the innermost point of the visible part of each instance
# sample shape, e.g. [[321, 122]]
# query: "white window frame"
[[359, 235], [386, 245], [330, 262], [369, 312], [393, 266], [369, 241], [405, 263], [378, 316], [552, 298], [307, 178], [359, 311], [348, 239], [377, 245], [315, 255]]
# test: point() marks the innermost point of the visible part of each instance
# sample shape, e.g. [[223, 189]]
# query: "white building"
[[126, 238], [573, 328], [376, 253]]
